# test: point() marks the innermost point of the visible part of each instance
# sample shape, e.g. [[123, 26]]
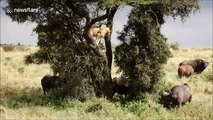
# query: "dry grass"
[[22, 97]]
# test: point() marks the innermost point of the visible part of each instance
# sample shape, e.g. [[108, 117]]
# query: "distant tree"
[[175, 45], [65, 42]]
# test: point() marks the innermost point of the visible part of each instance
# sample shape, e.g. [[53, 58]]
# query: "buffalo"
[[178, 96], [185, 70], [120, 85], [198, 64], [49, 82]]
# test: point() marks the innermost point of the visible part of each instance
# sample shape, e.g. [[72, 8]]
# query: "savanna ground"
[[22, 96]]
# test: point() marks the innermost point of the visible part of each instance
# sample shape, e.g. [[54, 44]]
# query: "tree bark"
[[108, 38], [107, 87]]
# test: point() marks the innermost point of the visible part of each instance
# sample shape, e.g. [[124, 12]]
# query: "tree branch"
[[89, 22], [79, 12]]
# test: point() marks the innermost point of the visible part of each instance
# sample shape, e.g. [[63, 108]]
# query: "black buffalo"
[[49, 82], [120, 85], [177, 96], [198, 64]]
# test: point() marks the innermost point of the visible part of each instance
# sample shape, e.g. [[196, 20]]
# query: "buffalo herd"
[[177, 96], [180, 94], [188, 67]]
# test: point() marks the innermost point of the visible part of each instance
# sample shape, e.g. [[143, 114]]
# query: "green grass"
[[22, 97]]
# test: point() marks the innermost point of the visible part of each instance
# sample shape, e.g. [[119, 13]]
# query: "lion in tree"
[[99, 32]]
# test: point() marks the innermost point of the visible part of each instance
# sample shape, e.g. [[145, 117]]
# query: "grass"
[[22, 97]]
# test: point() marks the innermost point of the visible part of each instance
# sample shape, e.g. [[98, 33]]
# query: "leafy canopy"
[[144, 49], [65, 43]]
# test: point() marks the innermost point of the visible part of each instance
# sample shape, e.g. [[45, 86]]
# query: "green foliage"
[[8, 58], [21, 69], [31, 97], [29, 59], [94, 108], [61, 24], [84, 75], [143, 51], [136, 106], [175, 45], [9, 47]]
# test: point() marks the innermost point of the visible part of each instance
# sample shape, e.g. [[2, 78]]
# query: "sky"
[[196, 31]]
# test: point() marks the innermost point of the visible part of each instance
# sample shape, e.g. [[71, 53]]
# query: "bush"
[[21, 69], [85, 76], [37, 57], [28, 59], [136, 106], [175, 45], [8, 58], [9, 47], [22, 48], [142, 53]]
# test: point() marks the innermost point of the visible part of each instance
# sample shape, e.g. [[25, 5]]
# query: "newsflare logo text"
[[21, 10]]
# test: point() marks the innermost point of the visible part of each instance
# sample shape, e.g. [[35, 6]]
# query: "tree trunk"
[[108, 51], [107, 87], [108, 38]]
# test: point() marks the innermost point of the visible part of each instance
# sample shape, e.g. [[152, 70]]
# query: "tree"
[[144, 49], [65, 42]]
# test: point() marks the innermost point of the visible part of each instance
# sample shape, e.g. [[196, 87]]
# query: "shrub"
[[84, 76], [28, 59], [175, 45], [21, 69], [94, 108], [9, 47], [8, 58], [136, 106], [22, 48], [142, 53]]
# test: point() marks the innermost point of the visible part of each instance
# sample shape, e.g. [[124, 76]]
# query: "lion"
[[99, 32]]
